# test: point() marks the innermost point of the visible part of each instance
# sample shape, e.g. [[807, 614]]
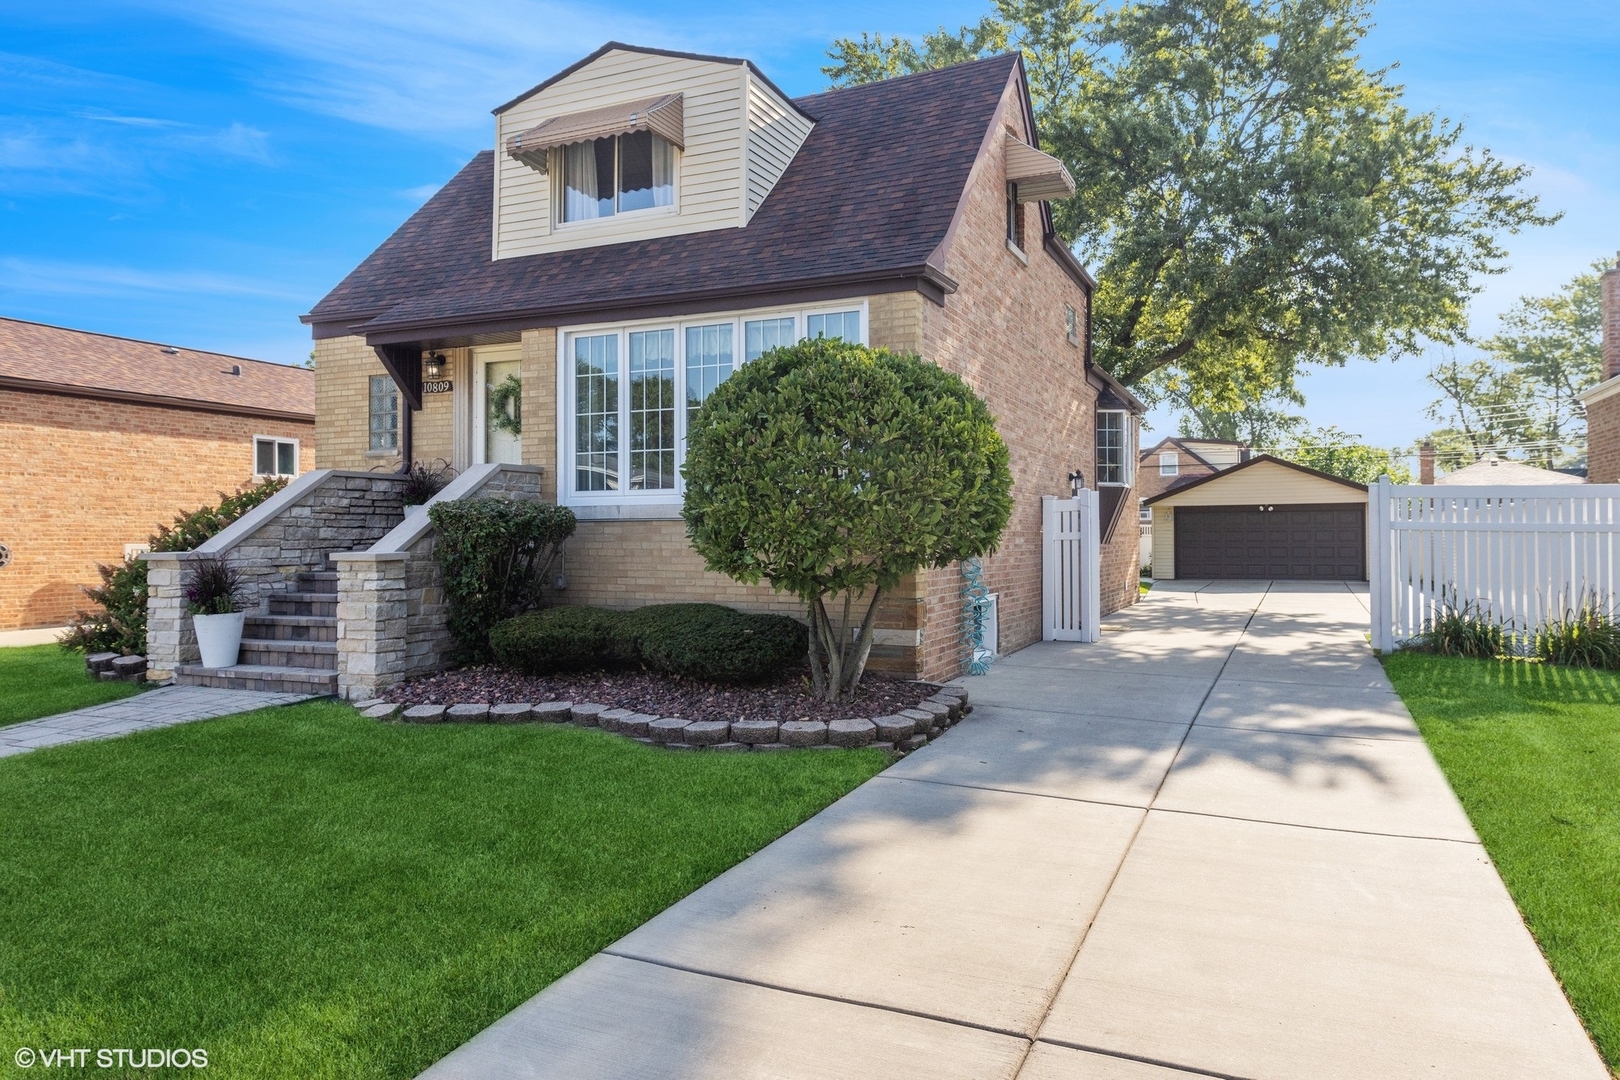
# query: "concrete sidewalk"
[[1211, 844]]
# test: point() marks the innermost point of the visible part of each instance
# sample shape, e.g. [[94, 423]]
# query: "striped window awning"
[[1039, 176], [663, 116]]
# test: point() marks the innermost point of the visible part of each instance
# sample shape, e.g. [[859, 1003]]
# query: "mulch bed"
[[784, 698]]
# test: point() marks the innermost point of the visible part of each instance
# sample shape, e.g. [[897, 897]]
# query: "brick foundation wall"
[[80, 478]]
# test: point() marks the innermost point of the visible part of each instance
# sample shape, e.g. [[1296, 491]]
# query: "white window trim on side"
[[664, 502], [297, 453]]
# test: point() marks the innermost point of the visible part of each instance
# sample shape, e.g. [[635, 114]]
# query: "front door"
[[498, 407]]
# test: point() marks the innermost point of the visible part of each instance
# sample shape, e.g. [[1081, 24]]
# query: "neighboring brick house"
[[1175, 461], [103, 437], [650, 220], [1603, 400]]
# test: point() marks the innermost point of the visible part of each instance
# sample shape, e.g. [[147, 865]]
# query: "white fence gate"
[[1071, 562], [1520, 555]]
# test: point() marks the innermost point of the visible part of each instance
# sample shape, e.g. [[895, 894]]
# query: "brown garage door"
[[1327, 541]]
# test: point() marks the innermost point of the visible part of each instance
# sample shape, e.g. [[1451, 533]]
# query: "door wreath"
[[506, 405]]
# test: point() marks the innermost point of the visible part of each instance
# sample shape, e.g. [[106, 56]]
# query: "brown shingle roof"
[[37, 356], [870, 194]]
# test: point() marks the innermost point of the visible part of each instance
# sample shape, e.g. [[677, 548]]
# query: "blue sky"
[[202, 173]]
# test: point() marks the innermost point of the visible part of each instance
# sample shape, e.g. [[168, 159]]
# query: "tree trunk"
[[863, 647]]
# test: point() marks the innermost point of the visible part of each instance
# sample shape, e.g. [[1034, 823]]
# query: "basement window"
[[274, 457]]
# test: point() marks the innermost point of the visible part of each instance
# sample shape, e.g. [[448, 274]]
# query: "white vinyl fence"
[[1518, 555], [1071, 561]]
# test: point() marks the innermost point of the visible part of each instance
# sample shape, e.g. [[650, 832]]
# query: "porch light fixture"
[[435, 365], [1077, 483]]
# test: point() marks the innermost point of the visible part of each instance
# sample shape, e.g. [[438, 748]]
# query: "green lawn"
[[40, 680], [1533, 751], [305, 893]]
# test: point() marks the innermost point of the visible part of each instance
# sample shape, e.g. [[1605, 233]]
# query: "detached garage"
[[1265, 518]]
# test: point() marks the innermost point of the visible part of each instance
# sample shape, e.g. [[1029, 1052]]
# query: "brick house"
[[1603, 400], [1174, 461], [650, 220], [102, 437]]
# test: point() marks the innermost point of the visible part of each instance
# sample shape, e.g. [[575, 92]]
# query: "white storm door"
[[497, 406]]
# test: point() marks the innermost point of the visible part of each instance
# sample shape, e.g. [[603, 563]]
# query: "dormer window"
[[617, 175]]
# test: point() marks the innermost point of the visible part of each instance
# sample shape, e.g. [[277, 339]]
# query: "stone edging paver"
[[902, 732]]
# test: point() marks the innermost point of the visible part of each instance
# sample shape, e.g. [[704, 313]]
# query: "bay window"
[[617, 175], [1113, 447], [624, 431]]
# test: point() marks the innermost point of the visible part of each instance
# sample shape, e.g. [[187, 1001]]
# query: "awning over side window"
[[663, 116], [1039, 176]]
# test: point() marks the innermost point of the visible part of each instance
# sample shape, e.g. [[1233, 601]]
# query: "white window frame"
[[277, 439], [555, 166], [1127, 449], [1169, 463], [663, 502]]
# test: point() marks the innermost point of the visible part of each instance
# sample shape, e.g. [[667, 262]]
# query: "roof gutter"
[[40, 386]]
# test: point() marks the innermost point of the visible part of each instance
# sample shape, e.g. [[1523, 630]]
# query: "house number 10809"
[[436, 386]]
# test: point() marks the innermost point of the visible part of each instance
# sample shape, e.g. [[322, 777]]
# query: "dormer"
[[632, 143]]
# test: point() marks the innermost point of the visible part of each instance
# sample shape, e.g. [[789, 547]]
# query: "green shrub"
[[1463, 630], [119, 622], [561, 639], [714, 643], [1587, 636], [495, 554], [698, 641], [828, 468]]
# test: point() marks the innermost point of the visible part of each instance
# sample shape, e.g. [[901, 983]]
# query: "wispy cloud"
[[55, 277]]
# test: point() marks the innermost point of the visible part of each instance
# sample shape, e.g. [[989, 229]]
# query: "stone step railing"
[[393, 619], [292, 532]]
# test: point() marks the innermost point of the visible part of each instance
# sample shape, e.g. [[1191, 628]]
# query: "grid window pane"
[[384, 413], [709, 362], [286, 458], [652, 410], [1169, 464], [840, 324], [264, 457], [1110, 447], [760, 336], [596, 413]]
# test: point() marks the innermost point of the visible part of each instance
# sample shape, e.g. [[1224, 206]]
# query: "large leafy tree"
[[1253, 197], [832, 471], [1520, 395]]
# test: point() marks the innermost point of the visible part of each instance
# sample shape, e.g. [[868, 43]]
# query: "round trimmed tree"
[[832, 471]]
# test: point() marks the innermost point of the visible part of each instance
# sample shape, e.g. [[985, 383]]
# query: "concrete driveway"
[[1212, 844]]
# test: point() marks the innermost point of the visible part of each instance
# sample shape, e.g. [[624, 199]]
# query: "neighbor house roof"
[[38, 357], [1252, 463], [1171, 440], [1493, 470], [869, 198]]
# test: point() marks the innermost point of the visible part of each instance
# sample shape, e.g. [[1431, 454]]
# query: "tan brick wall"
[[1603, 440], [538, 370], [896, 321], [1611, 321], [80, 478], [1004, 332], [343, 368]]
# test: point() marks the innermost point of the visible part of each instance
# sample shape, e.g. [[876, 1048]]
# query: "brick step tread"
[[317, 575], [286, 645], [304, 680], [306, 597], [290, 620]]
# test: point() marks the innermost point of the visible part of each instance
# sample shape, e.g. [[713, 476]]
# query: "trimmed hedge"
[[699, 641]]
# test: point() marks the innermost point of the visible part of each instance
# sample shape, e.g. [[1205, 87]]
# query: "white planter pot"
[[219, 637]]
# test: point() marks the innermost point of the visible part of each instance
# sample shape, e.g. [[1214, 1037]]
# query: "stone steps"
[[276, 652], [323, 582], [265, 627], [283, 680], [304, 603]]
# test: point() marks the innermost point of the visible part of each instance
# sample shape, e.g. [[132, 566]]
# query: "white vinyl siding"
[[775, 133], [708, 172]]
